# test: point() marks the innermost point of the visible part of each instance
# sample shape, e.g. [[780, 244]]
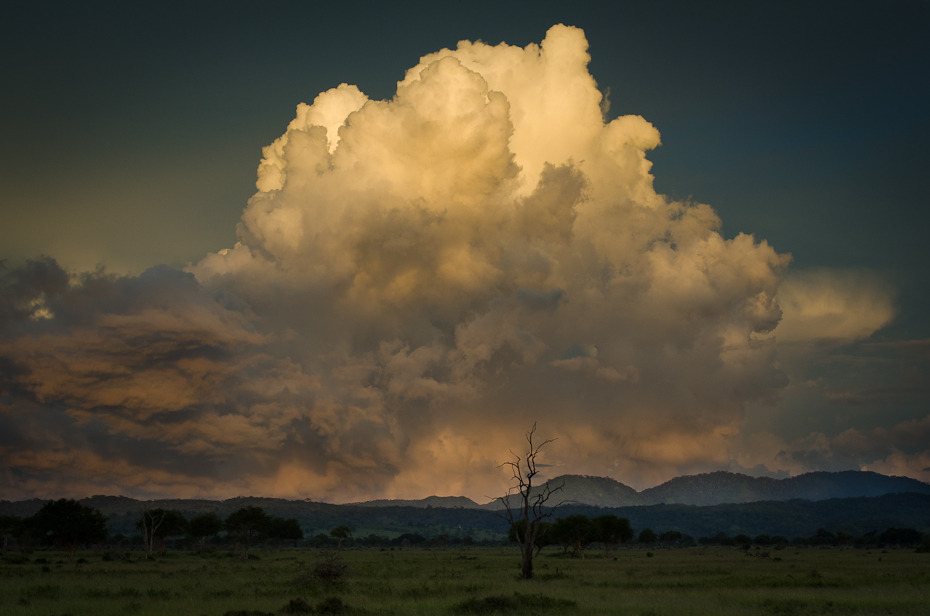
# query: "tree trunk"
[[526, 571]]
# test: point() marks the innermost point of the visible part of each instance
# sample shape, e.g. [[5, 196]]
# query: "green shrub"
[[332, 605], [505, 604], [330, 570], [297, 606]]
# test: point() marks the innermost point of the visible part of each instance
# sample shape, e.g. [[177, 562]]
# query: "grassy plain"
[[463, 581]]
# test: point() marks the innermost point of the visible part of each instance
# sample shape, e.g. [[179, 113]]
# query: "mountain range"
[[723, 488], [699, 505], [706, 489]]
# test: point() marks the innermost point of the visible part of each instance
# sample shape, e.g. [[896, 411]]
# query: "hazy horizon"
[[479, 502]]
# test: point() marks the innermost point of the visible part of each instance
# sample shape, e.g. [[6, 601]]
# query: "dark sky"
[[774, 113], [132, 133]]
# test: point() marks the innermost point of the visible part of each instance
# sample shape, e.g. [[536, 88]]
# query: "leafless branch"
[[532, 506]]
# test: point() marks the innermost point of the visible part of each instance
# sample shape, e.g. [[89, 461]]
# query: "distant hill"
[[703, 504], [449, 502], [722, 487], [582, 489]]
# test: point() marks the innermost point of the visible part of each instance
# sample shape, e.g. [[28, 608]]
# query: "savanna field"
[[473, 580]]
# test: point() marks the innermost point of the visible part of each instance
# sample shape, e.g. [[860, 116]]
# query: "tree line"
[[575, 533], [69, 525]]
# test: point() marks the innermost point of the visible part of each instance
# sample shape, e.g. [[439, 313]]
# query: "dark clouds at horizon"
[[382, 310]]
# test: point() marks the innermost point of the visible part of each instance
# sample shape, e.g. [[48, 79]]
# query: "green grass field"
[[677, 582]]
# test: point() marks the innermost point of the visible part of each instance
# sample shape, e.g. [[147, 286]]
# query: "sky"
[[334, 253]]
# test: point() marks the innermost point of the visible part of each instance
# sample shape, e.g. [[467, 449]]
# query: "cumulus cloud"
[[483, 251], [834, 305], [415, 282]]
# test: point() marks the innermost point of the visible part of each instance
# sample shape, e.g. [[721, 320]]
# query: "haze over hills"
[[449, 502], [723, 488], [698, 505], [706, 489]]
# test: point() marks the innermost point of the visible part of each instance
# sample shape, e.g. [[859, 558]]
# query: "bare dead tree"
[[151, 520], [531, 508]]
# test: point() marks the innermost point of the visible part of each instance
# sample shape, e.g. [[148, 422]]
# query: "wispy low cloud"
[[900, 449], [416, 281], [830, 305]]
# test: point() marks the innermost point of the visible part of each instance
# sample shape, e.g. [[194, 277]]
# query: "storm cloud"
[[416, 282]]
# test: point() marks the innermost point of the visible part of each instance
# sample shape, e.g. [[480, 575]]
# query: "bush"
[[332, 605], [15, 559], [330, 570], [297, 606], [516, 603]]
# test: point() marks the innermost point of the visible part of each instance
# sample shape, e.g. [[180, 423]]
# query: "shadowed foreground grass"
[[677, 582]]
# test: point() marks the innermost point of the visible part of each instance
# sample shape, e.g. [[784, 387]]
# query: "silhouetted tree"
[[157, 524], [68, 524], [408, 539], [822, 537], [647, 536], [900, 536], [843, 538], [762, 540], [285, 529], [247, 524], [150, 520], [441, 540], [341, 533], [720, 538], [531, 502], [612, 530], [8, 526], [576, 531], [670, 537], [204, 525]]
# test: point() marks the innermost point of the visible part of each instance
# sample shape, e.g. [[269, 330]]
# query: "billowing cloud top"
[[416, 282]]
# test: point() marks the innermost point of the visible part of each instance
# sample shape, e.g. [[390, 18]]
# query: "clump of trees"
[[577, 532], [156, 525], [612, 531], [64, 524], [891, 537], [202, 526], [68, 525], [246, 525], [9, 524], [252, 523], [341, 533]]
